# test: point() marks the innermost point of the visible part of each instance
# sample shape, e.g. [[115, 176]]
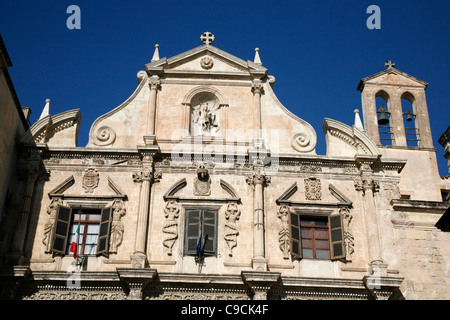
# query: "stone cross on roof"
[[389, 64], [207, 38]]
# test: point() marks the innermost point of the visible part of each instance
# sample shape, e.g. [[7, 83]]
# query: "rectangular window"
[[316, 237], [94, 230], [200, 222]]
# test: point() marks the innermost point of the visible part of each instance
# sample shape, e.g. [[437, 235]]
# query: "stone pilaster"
[[257, 89], [258, 180], [368, 185], [154, 84], [145, 177], [29, 169]]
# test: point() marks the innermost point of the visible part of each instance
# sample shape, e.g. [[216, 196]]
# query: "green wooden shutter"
[[336, 237], [103, 234], [192, 231], [209, 232], [296, 243], [61, 229]]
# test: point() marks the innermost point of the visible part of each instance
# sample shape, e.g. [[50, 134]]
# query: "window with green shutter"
[[200, 222]]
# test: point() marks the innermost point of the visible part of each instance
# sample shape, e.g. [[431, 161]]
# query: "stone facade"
[[204, 147]]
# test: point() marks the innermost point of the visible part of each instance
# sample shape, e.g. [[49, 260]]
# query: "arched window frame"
[[412, 133], [385, 131]]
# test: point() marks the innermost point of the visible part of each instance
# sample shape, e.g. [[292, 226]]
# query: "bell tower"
[[395, 109]]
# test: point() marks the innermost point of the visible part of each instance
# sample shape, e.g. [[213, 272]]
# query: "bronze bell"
[[409, 115], [383, 120]]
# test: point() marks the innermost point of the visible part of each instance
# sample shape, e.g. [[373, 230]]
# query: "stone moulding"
[[22, 283]]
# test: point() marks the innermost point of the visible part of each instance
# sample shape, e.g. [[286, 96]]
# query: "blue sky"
[[317, 51]]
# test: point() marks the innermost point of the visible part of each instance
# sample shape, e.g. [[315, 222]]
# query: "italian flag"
[[73, 246]]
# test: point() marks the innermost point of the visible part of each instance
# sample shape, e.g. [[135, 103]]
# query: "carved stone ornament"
[[313, 189], [348, 235], [232, 214], [104, 136], [302, 142], [205, 115], [206, 62], [90, 180], [48, 227], [284, 237], [202, 183], [117, 226], [170, 229]]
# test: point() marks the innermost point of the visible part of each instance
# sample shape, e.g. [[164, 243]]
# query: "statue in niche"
[[117, 227], [205, 116], [232, 214], [170, 229]]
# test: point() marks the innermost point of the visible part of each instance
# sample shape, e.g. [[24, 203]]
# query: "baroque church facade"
[[202, 185]]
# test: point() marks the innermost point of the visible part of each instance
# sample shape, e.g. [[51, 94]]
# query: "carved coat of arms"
[[90, 180]]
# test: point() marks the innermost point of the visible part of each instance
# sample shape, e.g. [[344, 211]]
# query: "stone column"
[[368, 186], [154, 84], [258, 181], [145, 177]]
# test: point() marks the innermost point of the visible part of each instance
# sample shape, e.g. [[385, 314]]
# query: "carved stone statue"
[[232, 214], [52, 209], [117, 227], [283, 235], [170, 229], [204, 119]]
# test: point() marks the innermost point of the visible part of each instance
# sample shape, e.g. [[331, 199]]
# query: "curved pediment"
[[343, 140], [58, 130]]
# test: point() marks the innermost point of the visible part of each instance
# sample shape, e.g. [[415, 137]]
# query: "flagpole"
[[78, 234]]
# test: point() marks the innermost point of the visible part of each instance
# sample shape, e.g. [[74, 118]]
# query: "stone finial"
[[207, 38], [156, 53], [389, 64], [257, 59], [46, 110], [358, 123]]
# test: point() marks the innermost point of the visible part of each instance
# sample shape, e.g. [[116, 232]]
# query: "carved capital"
[[154, 83], [258, 178], [257, 87], [366, 182], [147, 174]]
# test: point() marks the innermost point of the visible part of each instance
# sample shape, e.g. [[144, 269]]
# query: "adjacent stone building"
[[202, 185]]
